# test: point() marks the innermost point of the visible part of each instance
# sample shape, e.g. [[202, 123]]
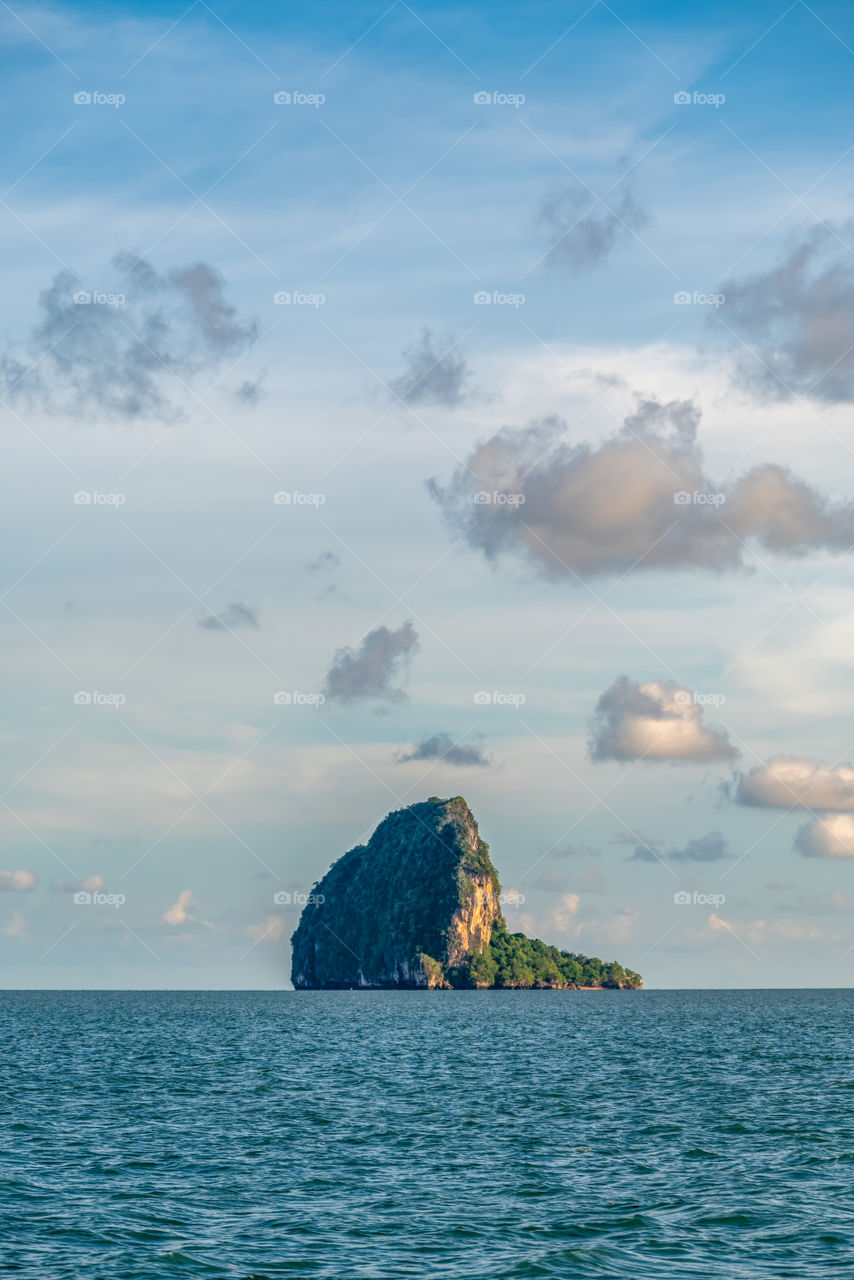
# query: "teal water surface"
[[382, 1135]]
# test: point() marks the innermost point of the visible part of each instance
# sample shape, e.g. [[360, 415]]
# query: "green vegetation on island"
[[419, 906]]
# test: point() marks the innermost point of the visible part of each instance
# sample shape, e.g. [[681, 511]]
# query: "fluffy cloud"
[[179, 912], [116, 354], [442, 747], [236, 615], [17, 881], [790, 782], [431, 376], [370, 671], [798, 320], [639, 500], [710, 848], [565, 911], [583, 230], [830, 837], [92, 884], [658, 720]]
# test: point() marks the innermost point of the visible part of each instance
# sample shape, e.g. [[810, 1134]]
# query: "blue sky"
[[382, 211]]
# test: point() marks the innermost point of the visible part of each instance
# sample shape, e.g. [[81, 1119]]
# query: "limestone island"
[[419, 906]]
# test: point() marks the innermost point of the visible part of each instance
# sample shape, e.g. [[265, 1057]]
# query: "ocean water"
[[377, 1135]]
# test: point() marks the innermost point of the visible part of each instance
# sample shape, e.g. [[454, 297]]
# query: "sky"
[[407, 401]]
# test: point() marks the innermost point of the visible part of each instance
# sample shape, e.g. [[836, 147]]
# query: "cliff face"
[[409, 909], [418, 906]]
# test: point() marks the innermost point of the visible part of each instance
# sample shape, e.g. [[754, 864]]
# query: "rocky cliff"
[[403, 910], [418, 906]]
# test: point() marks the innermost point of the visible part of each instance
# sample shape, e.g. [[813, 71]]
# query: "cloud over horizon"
[[435, 373], [792, 782], [125, 353], [371, 671], [638, 500], [797, 319], [584, 230], [658, 720], [441, 746]]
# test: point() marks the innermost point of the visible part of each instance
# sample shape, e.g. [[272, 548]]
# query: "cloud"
[[791, 782], [658, 720], [179, 912], [640, 499], [710, 848], [830, 837], [270, 930], [583, 231], [326, 560], [250, 391], [369, 671], [92, 884], [17, 881], [126, 350], [236, 615], [760, 931], [16, 928], [643, 853], [565, 911], [442, 747], [798, 320], [432, 376]]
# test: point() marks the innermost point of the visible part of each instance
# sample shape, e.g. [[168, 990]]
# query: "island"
[[419, 906]]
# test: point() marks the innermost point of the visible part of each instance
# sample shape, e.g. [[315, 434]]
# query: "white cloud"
[[16, 926], [659, 720], [17, 881], [831, 837], [791, 782], [180, 910]]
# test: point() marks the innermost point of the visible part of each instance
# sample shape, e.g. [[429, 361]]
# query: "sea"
[[457, 1135]]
